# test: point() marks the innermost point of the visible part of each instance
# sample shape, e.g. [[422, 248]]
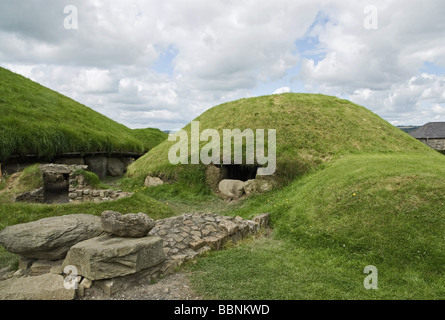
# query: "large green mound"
[[35, 120], [311, 129]]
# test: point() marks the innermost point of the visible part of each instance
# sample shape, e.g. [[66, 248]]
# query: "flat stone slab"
[[45, 287], [107, 257], [50, 238]]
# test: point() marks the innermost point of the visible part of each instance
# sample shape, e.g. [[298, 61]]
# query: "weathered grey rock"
[[257, 186], [43, 266], [3, 272], [263, 220], [115, 167], [44, 287], [25, 263], [213, 176], [128, 225], [107, 257], [98, 165], [50, 238], [228, 226], [53, 177], [87, 283], [153, 181], [127, 161], [231, 188], [35, 196]]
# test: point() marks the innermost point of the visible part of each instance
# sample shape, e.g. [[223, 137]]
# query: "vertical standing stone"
[[98, 165]]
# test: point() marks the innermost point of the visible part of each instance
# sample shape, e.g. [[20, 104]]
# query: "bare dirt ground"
[[172, 287]]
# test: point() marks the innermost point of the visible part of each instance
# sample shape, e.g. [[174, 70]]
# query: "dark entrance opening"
[[56, 187], [238, 172]]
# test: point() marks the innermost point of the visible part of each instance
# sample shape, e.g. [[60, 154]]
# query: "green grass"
[[30, 179], [15, 213], [91, 178], [324, 235], [150, 137], [35, 120], [311, 129], [357, 192]]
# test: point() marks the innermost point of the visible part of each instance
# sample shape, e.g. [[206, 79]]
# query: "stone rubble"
[[175, 240]]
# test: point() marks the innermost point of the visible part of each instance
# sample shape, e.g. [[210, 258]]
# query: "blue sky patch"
[[165, 62], [432, 68]]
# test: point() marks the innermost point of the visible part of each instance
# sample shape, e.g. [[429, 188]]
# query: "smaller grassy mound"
[[381, 210], [150, 137], [35, 120], [311, 130], [27, 180], [91, 178]]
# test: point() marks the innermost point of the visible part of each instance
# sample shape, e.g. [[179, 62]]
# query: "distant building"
[[432, 134]]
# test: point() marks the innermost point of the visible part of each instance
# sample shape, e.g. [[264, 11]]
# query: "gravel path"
[[172, 287]]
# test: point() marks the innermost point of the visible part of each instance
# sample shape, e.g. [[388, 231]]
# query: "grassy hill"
[[385, 210], [149, 137], [360, 192], [35, 120], [311, 130]]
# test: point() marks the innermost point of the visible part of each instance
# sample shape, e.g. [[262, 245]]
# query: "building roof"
[[431, 130]]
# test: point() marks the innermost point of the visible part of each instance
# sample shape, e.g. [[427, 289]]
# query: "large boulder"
[[115, 167], [50, 238], [257, 186], [153, 181], [44, 287], [98, 165], [231, 188], [107, 257], [130, 225], [126, 161]]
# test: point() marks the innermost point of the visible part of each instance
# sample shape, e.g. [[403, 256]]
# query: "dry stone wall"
[[77, 195], [437, 144]]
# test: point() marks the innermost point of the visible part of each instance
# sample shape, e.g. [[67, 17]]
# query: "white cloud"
[[282, 90], [225, 50]]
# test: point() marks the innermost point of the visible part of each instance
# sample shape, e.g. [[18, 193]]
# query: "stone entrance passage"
[[61, 184], [56, 182], [238, 172], [55, 186]]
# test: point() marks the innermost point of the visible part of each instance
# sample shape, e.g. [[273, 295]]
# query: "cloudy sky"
[[153, 63]]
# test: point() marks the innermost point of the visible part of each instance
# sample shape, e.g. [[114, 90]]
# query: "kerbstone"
[[107, 257], [44, 287], [50, 238]]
